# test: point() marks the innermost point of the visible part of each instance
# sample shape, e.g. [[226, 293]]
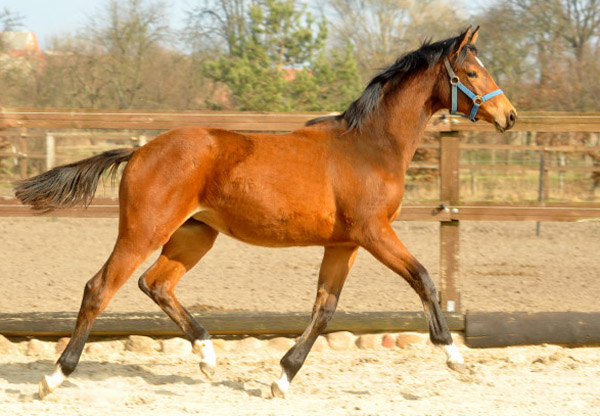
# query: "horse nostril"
[[512, 118]]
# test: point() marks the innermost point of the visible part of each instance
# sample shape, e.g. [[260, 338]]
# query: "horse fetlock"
[[208, 359], [440, 338], [49, 383], [206, 351], [280, 387], [455, 360]]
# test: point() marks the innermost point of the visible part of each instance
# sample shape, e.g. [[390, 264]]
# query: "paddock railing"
[[449, 210]]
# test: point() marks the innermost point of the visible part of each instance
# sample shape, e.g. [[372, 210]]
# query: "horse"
[[338, 182]]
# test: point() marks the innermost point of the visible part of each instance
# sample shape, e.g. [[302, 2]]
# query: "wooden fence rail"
[[449, 210], [256, 121]]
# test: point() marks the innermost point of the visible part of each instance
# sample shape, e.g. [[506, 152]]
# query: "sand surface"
[[542, 380], [45, 262]]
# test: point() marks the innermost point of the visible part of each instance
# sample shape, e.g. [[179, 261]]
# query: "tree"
[[126, 34], [508, 57], [381, 30], [576, 22], [332, 84], [215, 24], [9, 22], [13, 76], [279, 63], [548, 52]]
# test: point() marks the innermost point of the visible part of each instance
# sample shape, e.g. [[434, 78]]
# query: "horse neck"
[[403, 116]]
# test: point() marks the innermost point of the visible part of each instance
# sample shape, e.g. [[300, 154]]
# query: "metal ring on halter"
[[454, 80], [478, 100]]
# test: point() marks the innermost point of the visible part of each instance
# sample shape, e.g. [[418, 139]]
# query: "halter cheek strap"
[[477, 99]]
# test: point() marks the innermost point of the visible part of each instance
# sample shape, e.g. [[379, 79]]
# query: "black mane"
[[428, 55]]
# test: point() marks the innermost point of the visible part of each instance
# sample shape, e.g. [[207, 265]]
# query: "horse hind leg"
[[98, 292], [336, 264], [183, 250]]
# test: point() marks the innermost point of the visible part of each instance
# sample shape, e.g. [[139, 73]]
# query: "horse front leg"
[[381, 241], [336, 264]]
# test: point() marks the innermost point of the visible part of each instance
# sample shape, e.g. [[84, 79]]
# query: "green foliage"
[[253, 86], [332, 84], [280, 64]]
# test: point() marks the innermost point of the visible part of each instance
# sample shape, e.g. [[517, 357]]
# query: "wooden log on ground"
[[500, 329], [57, 324]]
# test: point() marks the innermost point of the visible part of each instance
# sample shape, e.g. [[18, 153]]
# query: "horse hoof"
[[276, 391], [281, 386], [45, 388], [49, 383], [208, 370], [458, 367]]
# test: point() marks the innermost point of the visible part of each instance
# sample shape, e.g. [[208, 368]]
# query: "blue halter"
[[477, 99]]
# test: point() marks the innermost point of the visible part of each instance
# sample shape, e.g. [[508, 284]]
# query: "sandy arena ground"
[[45, 263], [543, 380]]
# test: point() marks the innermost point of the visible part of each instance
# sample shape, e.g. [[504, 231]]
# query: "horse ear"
[[463, 40], [474, 35]]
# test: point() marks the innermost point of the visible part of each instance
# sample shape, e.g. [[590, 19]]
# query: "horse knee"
[[93, 295], [325, 313]]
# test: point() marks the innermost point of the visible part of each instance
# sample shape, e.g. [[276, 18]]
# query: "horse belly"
[[277, 231], [277, 222]]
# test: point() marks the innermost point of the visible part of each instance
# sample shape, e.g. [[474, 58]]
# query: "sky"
[[48, 18], [52, 17]]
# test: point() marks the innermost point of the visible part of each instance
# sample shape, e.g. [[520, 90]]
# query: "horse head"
[[467, 87]]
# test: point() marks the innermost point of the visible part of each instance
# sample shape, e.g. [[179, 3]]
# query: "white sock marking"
[[55, 379], [453, 354], [283, 382], [206, 351]]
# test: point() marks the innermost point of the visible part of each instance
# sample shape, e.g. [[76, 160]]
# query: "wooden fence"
[[449, 210]]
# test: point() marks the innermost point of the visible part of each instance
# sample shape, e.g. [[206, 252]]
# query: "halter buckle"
[[478, 100], [454, 80]]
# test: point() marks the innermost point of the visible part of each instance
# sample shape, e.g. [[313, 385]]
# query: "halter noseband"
[[477, 99]]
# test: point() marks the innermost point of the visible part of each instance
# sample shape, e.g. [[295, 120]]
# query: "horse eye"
[[472, 74]]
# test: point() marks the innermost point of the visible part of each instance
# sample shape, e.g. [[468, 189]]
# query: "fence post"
[[542, 187], [546, 178], [449, 230], [50, 151], [23, 151]]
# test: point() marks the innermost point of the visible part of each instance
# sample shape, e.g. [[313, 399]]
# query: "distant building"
[[20, 45]]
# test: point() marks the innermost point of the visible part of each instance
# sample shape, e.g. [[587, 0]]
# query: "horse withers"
[[338, 183]]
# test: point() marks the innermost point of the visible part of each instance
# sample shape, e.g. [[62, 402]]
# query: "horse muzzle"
[[508, 122]]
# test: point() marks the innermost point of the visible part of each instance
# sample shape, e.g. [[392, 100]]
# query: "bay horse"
[[338, 182]]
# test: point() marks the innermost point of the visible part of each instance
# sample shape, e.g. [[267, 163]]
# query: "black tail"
[[69, 185]]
